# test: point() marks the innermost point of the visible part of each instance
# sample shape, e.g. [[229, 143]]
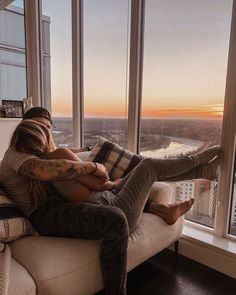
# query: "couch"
[[63, 266]]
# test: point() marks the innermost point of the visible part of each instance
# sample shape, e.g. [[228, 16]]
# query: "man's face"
[[44, 121]]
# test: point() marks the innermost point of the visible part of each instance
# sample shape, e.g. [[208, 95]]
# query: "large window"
[[186, 45], [56, 30], [185, 61], [106, 29], [12, 52]]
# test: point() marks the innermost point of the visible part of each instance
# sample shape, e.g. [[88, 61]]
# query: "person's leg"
[[133, 194], [90, 221], [202, 165]]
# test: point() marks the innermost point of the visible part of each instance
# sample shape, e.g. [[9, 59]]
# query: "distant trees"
[[155, 133]]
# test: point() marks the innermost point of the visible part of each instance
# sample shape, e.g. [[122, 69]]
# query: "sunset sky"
[[185, 57]]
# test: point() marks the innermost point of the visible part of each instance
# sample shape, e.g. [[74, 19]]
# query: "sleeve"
[[18, 159]]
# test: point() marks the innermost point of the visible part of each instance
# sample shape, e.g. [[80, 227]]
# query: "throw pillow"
[[117, 160], [13, 223]]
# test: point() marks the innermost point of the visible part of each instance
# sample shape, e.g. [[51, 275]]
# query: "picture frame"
[[14, 108]]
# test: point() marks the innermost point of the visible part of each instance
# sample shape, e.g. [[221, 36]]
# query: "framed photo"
[[13, 108]]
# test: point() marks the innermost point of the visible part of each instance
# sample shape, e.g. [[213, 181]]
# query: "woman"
[[118, 207]]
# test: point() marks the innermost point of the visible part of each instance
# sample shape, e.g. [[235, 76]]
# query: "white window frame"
[[77, 72], [228, 135], [33, 50], [135, 73]]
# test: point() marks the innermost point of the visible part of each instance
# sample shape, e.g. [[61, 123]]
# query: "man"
[[22, 171]]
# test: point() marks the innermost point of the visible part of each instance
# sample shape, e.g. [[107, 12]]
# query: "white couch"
[[63, 266]]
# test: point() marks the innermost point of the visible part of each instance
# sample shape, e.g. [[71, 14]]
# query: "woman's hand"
[[101, 172]]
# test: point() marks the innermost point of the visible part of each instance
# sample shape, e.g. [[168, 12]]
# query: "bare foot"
[[170, 213]]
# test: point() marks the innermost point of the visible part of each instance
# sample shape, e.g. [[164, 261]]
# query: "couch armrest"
[[162, 193]]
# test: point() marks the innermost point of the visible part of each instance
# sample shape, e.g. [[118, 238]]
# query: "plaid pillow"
[[13, 223], [117, 160]]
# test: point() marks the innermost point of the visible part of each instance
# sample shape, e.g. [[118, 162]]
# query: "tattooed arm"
[[59, 169]]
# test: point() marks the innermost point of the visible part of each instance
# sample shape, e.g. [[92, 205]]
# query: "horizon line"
[[146, 118]]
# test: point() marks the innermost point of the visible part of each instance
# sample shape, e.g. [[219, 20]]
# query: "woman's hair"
[[32, 137]]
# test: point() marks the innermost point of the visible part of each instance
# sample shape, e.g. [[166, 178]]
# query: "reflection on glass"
[[13, 84], [58, 58], [18, 3], [105, 65], [185, 60]]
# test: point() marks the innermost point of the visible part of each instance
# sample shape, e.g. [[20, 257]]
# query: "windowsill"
[[208, 239]]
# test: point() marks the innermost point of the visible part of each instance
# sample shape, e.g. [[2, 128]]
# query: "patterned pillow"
[[13, 223], [117, 160]]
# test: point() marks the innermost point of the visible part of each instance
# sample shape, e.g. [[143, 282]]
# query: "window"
[[185, 61], [106, 30], [57, 63], [13, 84], [232, 225], [184, 77]]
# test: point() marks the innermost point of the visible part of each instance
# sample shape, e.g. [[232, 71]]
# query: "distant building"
[[13, 81], [184, 190], [204, 191]]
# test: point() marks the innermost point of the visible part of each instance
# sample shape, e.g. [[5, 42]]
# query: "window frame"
[[228, 134], [135, 93]]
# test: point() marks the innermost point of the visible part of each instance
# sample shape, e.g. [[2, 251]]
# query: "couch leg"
[[176, 248]]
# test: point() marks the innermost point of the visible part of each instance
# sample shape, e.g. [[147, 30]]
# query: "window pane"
[[57, 56], [105, 70], [185, 61], [232, 225], [13, 84]]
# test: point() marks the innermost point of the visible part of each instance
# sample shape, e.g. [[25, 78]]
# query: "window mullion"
[[135, 72], [77, 71], [228, 135], [33, 61]]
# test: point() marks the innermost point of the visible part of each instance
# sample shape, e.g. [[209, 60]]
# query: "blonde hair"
[[32, 137]]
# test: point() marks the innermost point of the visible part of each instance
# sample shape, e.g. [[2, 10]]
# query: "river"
[[176, 147]]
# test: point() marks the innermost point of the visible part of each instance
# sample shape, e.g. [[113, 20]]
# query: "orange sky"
[[184, 73], [213, 111]]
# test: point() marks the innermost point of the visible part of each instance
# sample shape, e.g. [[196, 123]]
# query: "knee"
[[61, 150], [117, 220], [147, 163]]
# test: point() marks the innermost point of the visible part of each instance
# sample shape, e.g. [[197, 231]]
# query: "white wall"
[[7, 126]]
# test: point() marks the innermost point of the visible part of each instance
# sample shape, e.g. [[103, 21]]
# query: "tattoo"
[[54, 169]]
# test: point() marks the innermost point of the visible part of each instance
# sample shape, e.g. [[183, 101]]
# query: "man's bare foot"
[[170, 213]]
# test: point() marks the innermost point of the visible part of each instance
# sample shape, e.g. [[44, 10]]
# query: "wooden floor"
[[164, 274]]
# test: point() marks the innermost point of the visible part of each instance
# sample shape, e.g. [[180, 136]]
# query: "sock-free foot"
[[171, 213]]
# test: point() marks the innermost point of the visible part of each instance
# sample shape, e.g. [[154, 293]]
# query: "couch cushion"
[[20, 281], [116, 159], [72, 266]]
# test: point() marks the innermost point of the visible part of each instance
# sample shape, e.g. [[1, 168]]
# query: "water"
[[177, 147]]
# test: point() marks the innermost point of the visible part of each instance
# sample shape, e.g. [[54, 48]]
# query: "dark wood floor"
[[164, 274]]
